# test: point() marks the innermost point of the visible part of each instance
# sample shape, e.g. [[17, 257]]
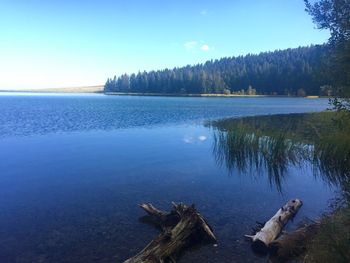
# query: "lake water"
[[74, 167]]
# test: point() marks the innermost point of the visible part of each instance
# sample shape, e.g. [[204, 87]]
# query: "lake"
[[75, 167]]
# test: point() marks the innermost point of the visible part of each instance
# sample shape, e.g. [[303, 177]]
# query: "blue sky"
[[72, 43]]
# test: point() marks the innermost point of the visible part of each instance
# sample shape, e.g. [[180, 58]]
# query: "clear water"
[[74, 167]]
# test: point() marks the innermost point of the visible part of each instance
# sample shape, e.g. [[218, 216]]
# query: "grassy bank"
[[332, 241]]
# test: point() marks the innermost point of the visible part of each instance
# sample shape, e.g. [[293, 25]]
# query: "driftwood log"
[[272, 228], [182, 227]]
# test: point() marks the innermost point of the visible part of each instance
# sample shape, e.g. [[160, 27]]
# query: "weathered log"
[[272, 228], [182, 227], [160, 218]]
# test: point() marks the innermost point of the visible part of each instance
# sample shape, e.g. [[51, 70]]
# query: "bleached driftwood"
[[272, 228], [182, 227]]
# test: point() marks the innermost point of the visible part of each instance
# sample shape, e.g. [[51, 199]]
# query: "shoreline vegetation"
[[320, 139]]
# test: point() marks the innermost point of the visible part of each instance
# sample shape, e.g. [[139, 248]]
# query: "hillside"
[[282, 72], [82, 89]]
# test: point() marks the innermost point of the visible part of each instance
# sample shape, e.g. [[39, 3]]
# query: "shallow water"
[[74, 167]]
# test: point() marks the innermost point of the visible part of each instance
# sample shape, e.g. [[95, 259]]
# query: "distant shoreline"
[[201, 95], [99, 90], [85, 89]]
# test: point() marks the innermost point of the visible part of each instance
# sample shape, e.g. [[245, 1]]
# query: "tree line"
[[296, 71]]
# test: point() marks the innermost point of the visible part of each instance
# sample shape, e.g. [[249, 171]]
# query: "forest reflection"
[[273, 144]]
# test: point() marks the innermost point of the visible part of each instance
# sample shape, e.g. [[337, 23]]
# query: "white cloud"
[[195, 45], [205, 47], [204, 12], [190, 44], [202, 138]]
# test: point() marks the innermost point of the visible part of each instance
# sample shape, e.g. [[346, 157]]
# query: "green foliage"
[[334, 15], [340, 105], [281, 72]]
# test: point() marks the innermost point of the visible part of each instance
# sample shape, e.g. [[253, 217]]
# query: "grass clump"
[[332, 242]]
